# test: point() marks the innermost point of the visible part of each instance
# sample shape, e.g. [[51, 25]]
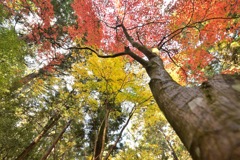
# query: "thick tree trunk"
[[53, 120], [206, 118], [46, 154]]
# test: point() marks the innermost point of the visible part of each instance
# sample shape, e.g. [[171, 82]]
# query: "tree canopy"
[[186, 33], [73, 80]]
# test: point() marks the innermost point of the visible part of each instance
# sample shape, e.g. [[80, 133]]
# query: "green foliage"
[[63, 11], [12, 52], [227, 57], [3, 13], [95, 86], [156, 136], [99, 89], [15, 130]]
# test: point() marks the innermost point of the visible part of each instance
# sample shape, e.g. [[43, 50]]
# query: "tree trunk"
[[120, 134], [42, 71], [46, 154], [174, 154], [101, 137], [206, 118], [53, 120]]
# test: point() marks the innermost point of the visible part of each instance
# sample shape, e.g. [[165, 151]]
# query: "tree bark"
[[53, 120], [46, 154], [206, 118]]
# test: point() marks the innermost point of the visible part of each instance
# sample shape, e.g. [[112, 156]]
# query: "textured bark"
[[206, 118], [53, 120], [47, 153]]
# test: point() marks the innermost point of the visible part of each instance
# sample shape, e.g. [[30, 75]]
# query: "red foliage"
[[202, 24], [88, 26], [56, 61], [187, 28], [207, 20], [143, 19]]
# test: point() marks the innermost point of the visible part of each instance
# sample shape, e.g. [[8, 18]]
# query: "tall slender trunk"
[[120, 134], [53, 120], [23, 81], [206, 118], [42, 71], [174, 154], [46, 154], [101, 137]]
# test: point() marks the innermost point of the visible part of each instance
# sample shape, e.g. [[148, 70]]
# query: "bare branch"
[[192, 25], [120, 134], [94, 51], [160, 44], [123, 128], [145, 24], [136, 57], [168, 53], [139, 37], [127, 51]]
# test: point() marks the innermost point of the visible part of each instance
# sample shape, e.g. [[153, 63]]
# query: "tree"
[[12, 52], [46, 154], [107, 99], [205, 117], [46, 110], [32, 145], [12, 68], [157, 139]]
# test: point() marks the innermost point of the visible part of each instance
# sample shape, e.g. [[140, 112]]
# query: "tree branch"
[[185, 73], [136, 57], [174, 154], [145, 24], [127, 51], [99, 55], [123, 128], [137, 45], [52, 121], [120, 134], [170, 36], [46, 154]]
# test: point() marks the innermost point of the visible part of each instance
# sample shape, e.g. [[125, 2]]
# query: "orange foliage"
[[143, 19], [202, 24], [88, 26], [206, 21], [186, 29], [56, 61]]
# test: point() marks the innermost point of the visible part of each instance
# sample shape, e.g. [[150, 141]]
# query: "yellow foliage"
[[111, 78]]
